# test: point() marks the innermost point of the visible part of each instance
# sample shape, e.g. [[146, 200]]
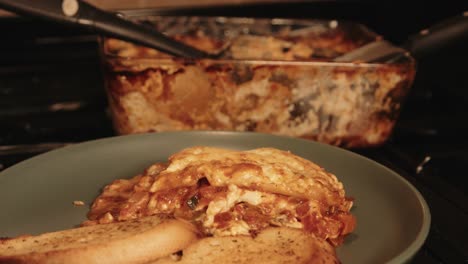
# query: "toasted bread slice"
[[134, 241], [272, 245]]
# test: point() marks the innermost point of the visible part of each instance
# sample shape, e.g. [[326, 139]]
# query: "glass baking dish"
[[275, 76]]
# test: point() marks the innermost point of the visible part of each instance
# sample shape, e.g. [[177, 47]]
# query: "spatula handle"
[[440, 35], [80, 13]]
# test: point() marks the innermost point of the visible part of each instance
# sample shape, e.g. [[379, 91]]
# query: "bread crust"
[[135, 241], [273, 245]]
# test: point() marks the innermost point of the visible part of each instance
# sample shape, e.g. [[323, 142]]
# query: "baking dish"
[[275, 76]]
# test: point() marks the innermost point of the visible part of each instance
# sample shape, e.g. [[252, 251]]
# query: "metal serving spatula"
[[82, 14], [428, 40]]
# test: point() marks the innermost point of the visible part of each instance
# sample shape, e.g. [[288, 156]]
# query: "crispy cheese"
[[266, 169]]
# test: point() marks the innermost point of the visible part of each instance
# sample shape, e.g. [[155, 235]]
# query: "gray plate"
[[37, 195]]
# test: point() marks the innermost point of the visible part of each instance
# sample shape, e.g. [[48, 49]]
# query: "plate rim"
[[406, 255]]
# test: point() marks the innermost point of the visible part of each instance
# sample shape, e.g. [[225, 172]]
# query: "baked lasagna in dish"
[[273, 76]]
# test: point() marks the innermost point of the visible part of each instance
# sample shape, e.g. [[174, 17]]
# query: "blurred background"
[[33, 53], [51, 95]]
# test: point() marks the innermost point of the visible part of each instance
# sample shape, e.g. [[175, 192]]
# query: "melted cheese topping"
[[266, 169]]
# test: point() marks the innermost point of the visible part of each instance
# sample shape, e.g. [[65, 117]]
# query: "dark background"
[[51, 94], [37, 52]]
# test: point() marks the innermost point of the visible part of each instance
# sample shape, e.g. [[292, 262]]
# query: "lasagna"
[[227, 192], [279, 79]]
